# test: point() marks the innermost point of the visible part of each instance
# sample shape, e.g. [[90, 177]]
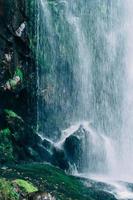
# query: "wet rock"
[[34, 138], [33, 154], [49, 147], [20, 30], [59, 159], [1, 7], [44, 154], [74, 147], [41, 196], [6, 146], [48, 144]]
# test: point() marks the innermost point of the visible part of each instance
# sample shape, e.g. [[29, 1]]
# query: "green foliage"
[[26, 186], [7, 191]]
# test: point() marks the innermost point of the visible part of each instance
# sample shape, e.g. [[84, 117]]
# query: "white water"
[[119, 189], [115, 182], [103, 72], [82, 69]]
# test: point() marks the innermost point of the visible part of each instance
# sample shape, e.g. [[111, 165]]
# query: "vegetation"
[[7, 191], [47, 178], [26, 186]]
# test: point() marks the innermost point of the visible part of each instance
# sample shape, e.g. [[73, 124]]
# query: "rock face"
[[17, 78], [18, 138]]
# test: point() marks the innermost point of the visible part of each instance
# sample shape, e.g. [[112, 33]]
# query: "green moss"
[[50, 179], [7, 191], [26, 186], [12, 114], [13, 82], [5, 132], [19, 73]]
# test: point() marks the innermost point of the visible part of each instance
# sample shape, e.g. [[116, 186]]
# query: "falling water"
[[127, 134], [85, 74], [82, 68]]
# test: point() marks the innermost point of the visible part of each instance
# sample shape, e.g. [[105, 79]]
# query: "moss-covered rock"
[[19, 73], [12, 83], [26, 186], [5, 132], [24, 143], [11, 115], [56, 182]]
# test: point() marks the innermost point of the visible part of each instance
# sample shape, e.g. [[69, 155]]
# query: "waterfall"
[[85, 74], [82, 66], [127, 136]]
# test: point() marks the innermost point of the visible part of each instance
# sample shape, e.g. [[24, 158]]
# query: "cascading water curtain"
[[84, 53]]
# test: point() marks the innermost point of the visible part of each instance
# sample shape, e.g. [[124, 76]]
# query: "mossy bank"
[[44, 178]]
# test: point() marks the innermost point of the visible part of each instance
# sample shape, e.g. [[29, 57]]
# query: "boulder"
[[75, 147]]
